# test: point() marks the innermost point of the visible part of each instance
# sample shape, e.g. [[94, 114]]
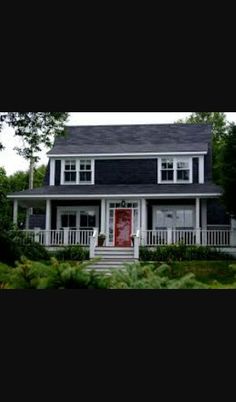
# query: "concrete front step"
[[110, 264], [115, 257], [114, 248]]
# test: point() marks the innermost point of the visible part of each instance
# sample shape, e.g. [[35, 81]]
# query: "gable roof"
[[126, 139]]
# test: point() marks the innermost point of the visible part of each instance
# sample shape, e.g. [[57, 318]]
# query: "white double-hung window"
[[175, 170], [77, 171], [70, 174]]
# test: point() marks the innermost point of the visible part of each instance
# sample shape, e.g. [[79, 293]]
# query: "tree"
[[17, 182], [35, 129], [220, 128], [228, 171]]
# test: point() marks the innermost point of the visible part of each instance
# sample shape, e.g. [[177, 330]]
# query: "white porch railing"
[[220, 237], [64, 237]]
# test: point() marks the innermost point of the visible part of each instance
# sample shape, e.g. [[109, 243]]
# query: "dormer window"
[[183, 170], [85, 171], [70, 171], [175, 170], [167, 169], [77, 171]]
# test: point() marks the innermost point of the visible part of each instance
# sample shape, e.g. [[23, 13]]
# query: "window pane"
[[64, 221], [183, 175], [85, 176], [91, 220], [82, 165], [70, 176], [182, 165], [188, 218], [70, 165], [72, 220], [184, 218], [85, 165], [167, 163], [88, 165], [83, 220], [167, 175], [180, 219]]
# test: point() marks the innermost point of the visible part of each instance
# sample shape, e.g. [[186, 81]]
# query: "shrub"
[[27, 247], [73, 253], [182, 252], [57, 275], [10, 251]]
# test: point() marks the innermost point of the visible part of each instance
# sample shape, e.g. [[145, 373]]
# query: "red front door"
[[123, 221]]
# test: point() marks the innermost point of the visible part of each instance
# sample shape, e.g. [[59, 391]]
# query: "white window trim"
[[76, 210], [52, 172], [201, 169], [77, 182], [175, 160]]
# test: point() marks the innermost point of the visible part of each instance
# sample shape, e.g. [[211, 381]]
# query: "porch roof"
[[105, 191]]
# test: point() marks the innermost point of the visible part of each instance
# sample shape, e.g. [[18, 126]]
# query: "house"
[[150, 181]]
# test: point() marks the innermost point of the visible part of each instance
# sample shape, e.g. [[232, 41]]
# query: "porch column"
[[15, 212], [204, 221], [103, 216], [48, 221], [27, 218], [233, 233], [143, 221], [198, 237]]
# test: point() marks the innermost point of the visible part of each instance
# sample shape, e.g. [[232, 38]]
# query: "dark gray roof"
[[132, 189], [133, 138]]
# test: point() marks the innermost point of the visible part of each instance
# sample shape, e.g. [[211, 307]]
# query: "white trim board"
[[124, 155]]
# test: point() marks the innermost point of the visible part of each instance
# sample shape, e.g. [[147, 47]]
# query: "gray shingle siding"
[[208, 164], [126, 171], [37, 221], [216, 213]]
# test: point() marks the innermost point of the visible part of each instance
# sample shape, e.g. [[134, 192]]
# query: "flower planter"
[[101, 241]]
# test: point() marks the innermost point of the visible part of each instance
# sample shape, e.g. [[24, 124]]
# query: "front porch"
[[129, 222]]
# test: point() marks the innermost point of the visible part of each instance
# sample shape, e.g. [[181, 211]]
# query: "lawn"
[[205, 271]]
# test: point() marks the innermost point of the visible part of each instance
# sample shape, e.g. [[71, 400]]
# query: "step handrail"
[[93, 243]]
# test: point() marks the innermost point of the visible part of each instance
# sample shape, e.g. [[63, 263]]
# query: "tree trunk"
[[31, 174], [31, 181]]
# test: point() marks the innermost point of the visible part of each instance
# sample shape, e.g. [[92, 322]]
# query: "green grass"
[[205, 271]]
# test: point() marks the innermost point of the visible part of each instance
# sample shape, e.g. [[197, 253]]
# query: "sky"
[[13, 162]]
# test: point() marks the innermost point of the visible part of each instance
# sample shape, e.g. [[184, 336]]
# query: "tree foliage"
[[10, 184], [228, 171], [220, 128], [36, 129]]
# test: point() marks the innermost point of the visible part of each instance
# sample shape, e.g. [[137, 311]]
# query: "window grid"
[[79, 171], [175, 170]]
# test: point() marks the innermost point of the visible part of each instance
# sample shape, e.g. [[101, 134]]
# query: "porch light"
[[123, 204]]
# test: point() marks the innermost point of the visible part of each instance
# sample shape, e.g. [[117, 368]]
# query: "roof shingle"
[[133, 139]]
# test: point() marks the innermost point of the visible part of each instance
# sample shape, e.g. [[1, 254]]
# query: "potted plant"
[[101, 239]]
